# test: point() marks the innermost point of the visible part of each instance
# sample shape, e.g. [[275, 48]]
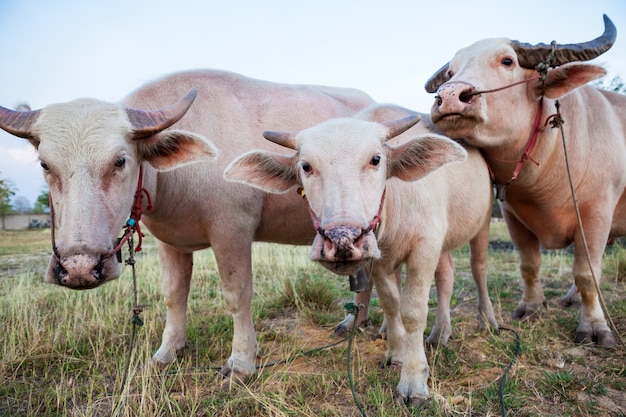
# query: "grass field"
[[64, 353]]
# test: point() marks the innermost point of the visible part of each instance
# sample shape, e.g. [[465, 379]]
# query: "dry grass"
[[64, 353]]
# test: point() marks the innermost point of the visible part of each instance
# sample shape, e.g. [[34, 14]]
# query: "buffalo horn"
[[529, 56], [149, 122], [437, 79], [286, 139], [399, 126], [18, 123]]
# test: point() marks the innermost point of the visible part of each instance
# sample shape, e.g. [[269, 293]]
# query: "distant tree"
[[7, 190], [21, 204], [616, 85], [42, 205]]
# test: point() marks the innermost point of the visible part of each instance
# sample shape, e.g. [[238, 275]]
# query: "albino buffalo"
[[380, 205], [444, 275], [492, 95], [91, 153]]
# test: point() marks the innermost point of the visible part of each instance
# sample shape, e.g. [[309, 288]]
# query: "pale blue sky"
[[56, 51]]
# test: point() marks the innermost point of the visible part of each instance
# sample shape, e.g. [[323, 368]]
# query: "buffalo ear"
[[568, 77], [419, 157], [267, 171], [172, 148]]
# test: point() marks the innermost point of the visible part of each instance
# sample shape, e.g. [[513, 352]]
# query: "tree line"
[[9, 204]]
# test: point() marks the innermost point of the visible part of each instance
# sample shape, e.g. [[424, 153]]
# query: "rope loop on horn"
[[543, 67]]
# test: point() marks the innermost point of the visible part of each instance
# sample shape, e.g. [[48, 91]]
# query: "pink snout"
[[456, 109], [344, 249], [452, 98], [82, 271]]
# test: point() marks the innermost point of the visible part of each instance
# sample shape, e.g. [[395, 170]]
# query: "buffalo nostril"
[[466, 96], [61, 274], [438, 100], [97, 272]]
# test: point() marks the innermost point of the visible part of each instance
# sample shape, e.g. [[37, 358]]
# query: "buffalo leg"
[[176, 270]]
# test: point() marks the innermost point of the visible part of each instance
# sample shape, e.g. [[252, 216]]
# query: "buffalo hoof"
[[155, 366], [487, 323], [411, 402], [603, 338], [230, 376], [438, 337], [571, 299], [344, 328], [391, 365], [529, 312]]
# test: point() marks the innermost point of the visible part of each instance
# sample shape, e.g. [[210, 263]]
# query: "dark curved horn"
[[529, 56], [399, 126], [18, 123], [440, 77], [149, 122], [286, 139], [23, 107]]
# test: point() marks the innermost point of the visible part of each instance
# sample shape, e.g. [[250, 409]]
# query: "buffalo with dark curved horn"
[[529, 56], [492, 95]]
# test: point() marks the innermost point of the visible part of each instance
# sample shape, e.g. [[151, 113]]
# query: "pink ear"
[[419, 157], [267, 171], [568, 77], [172, 148]]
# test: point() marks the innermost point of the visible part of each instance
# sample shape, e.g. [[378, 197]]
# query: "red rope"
[[132, 224], [530, 145], [137, 209]]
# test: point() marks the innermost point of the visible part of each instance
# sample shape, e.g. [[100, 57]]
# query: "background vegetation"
[[64, 353]]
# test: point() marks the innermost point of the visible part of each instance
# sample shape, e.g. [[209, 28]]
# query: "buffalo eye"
[[44, 165], [375, 160], [306, 167], [120, 162], [507, 62]]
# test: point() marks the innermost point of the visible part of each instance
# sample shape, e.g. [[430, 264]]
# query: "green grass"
[[64, 353]]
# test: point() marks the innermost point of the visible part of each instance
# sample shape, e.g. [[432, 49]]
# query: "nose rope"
[[500, 189], [493, 90], [542, 68], [131, 226], [316, 224]]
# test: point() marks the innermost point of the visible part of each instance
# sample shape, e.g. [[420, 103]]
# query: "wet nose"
[[452, 97], [341, 242], [79, 271]]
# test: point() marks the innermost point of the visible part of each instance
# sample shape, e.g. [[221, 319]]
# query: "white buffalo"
[[91, 153], [380, 205], [499, 96]]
